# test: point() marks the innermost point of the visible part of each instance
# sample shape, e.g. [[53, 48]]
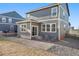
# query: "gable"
[[65, 6]]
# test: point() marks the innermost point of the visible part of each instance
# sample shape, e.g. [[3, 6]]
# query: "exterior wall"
[[50, 35], [8, 26], [4, 27], [43, 14], [64, 21], [25, 34], [64, 17]]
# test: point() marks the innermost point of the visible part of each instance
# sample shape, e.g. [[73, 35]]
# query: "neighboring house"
[[8, 21], [47, 23]]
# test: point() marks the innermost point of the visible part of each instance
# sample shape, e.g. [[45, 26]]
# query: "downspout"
[[30, 30], [59, 23]]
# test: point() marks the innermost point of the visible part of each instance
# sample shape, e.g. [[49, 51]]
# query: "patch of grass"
[[2, 38]]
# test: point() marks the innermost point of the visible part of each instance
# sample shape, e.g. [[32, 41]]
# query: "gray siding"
[[11, 27], [42, 13], [50, 35], [8, 27], [4, 27], [64, 9]]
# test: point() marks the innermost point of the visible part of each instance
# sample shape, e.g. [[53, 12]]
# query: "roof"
[[55, 4], [68, 9], [12, 14], [28, 20], [50, 5]]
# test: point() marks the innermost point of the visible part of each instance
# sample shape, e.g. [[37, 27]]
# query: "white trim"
[[46, 27], [50, 28], [37, 30], [53, 20], [22, 27], [30, 30], [42, 27], [48, 19], [55, 28]]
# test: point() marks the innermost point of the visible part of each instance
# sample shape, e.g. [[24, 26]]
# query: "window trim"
[[52, 12], [50, 28], [46, 27], [55, 28], [42, 27]]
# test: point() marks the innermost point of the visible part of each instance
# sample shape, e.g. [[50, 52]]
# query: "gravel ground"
[[8, 48], [64, 50]]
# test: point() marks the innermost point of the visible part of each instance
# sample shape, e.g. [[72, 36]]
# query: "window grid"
[[49, 27], [54, 11]]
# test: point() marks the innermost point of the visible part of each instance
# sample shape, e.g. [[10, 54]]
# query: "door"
[[34, 30]]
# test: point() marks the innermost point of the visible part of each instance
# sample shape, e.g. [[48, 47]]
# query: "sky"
[[23, 8]]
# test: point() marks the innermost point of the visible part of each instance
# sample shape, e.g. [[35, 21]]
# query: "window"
[[54, 11], [23, 27], [48, 27], [53, 27], [10, 20], [28, 15], [4, 20], [63, 13], [43, 27]]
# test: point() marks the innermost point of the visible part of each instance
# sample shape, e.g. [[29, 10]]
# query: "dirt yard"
[[9, 48]]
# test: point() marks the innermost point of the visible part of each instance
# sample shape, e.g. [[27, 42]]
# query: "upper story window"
[[64, 14], [28, 15], [10, 20], [3, 20], [54, 11]]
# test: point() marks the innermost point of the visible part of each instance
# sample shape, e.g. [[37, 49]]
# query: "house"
[[8, 21], [47, 23]]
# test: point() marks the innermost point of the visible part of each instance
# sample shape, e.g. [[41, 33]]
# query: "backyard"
[[13, 46], [10, 48]]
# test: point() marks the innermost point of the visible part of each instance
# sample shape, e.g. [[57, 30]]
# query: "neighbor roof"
[[12, 14]]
